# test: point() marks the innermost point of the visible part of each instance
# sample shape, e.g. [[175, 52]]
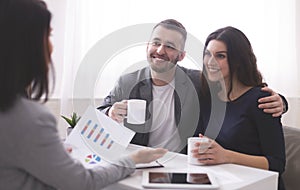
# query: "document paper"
[[97, 137]]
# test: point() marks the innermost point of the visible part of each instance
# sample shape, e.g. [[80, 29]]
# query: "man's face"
[[164, 49]]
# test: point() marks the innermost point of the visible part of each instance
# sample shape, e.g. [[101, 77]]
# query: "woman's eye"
[[221, 56]]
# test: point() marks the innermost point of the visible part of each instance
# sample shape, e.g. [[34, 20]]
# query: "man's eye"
[[170, 47], [155, 43]]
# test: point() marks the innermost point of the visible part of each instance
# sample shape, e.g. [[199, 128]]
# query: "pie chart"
[[92, 159]]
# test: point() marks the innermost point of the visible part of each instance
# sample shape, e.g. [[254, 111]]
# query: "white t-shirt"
[[164, 132]]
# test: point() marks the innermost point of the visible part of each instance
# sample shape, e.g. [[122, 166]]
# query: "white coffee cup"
[[204, 145], [136, 111]]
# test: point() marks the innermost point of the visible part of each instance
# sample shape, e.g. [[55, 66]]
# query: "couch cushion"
[[291, 175]]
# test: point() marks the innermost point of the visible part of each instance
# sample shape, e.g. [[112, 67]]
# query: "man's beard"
[[170, 65]]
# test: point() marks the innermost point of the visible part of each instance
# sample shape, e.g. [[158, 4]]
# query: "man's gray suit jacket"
[[138, 85]]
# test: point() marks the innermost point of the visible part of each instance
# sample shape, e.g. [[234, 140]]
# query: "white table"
[[229, 176]]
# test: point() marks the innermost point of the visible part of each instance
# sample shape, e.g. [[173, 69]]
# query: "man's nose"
[[161, 49]]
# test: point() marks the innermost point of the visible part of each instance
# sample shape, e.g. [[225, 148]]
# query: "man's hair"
[[24, 50], [173, 24]]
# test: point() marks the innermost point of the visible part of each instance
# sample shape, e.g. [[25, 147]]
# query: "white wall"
[[269, 24]]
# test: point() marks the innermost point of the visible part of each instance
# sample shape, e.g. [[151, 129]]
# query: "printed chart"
[[97, 135], [92, 159]]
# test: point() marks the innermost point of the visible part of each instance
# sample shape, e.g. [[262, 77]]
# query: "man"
[[171, 92]]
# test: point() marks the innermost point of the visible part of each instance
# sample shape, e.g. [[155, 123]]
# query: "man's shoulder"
[[192, 72], [138, 75]]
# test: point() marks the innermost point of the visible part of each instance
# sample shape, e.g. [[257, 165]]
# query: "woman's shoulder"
[[26, 122], [257, 93], [31, 111], [252, 96]]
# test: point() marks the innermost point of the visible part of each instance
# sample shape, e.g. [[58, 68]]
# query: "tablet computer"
[[179, 180]]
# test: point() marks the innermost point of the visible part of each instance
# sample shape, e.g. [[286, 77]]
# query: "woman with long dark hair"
[[32, 154], [246, 135]]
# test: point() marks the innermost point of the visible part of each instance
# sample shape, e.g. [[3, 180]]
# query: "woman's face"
[[49, 47], [215, 61]]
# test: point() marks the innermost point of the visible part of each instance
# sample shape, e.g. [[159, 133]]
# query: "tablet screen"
[[179, 178]]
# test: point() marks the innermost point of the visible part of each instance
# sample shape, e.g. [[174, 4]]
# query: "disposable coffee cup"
[[204, 145], [136, 111]]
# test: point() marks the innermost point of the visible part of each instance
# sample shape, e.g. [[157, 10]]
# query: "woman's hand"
[[215, 154], [147, 155], [68, 147]]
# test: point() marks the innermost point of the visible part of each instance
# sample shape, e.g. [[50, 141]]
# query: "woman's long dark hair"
[[240, 56], [24, 50]]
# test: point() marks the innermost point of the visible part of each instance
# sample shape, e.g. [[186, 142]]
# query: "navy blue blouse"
[[245, 128]]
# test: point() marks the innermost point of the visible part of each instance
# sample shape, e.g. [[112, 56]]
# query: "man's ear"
[[181, 56], [147, 47]]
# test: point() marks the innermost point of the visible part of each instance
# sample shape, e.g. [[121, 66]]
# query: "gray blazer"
[[33, 157], [138, 85]]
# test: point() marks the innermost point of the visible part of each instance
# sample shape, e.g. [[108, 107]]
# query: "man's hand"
[[272, 104], [118, 111]]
